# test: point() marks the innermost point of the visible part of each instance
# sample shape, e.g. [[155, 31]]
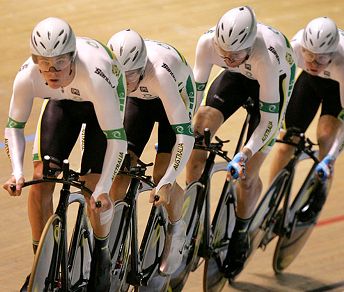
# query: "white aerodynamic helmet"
[[52, 37], [129, 49], [321, 36], [236, 29]]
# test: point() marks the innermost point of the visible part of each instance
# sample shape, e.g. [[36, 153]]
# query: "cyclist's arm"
[[19, 112], [179, 117], [269, 108], [202, 67], [109, 107]]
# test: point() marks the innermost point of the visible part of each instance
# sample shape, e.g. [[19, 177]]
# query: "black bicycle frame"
[[136, 276], [206, 250], [285, 191]]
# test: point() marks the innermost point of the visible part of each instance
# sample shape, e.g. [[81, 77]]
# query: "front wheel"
[[119, 245], [151, 250], [222, 228], [264, 219], [288, 247], [45, 269], [192, 216]]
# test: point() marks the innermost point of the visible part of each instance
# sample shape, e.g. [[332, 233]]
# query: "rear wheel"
[[45, 270], [194, 231], [223, 225]]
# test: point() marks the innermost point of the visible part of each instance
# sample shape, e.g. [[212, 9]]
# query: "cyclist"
[[258, 63], [161, 89], [319, 55], [82, 83]]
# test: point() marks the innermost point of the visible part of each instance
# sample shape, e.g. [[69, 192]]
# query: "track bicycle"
[[133, 265], [205, 239], [278, 213], [61, 264]]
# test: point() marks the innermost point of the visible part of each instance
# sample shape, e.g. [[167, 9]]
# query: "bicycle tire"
[[222, 228], [263, 219], [193, 237], [151, 251], [290, 245], [119, 245], [46, 257], [288, 248], [80, 247]]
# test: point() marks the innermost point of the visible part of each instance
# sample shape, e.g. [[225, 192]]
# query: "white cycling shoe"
[[172, 255]]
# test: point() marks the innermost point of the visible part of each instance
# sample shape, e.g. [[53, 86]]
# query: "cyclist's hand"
[[14, 187], [103, 207], [236, 168], [162, 197], [324, 169]]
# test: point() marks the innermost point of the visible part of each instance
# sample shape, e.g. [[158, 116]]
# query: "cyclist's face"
[[315, 63], [133, 78], [232, 59], [55, 70]]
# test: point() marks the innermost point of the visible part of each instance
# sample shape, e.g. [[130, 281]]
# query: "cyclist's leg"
[[248, 192], [328, 126], [206, 117], [222, 98], [302, 107], [283, 153]]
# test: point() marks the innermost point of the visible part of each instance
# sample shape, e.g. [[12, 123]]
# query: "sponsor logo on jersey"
[[102, 75], [23, 67], [118, 164], [179, 154], [143, 89], [165, 66], [75, 91], [267, 131], [248, 66], [7, 149], [272, 50], [116, 71], [289, 58]]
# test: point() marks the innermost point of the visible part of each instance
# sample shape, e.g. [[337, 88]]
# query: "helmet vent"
[[230, 32], [38, 33], [135, 56], [234, 42], [43, 45], [243, 38], [34, 39], [330, 41], [126, 61], [49, 35], [57, 43], [64, 39]]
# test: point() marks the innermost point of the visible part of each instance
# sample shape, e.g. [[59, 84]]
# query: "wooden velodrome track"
[[320, 266]]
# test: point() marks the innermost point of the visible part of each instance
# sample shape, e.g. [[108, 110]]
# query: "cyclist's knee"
[[208, 117]]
